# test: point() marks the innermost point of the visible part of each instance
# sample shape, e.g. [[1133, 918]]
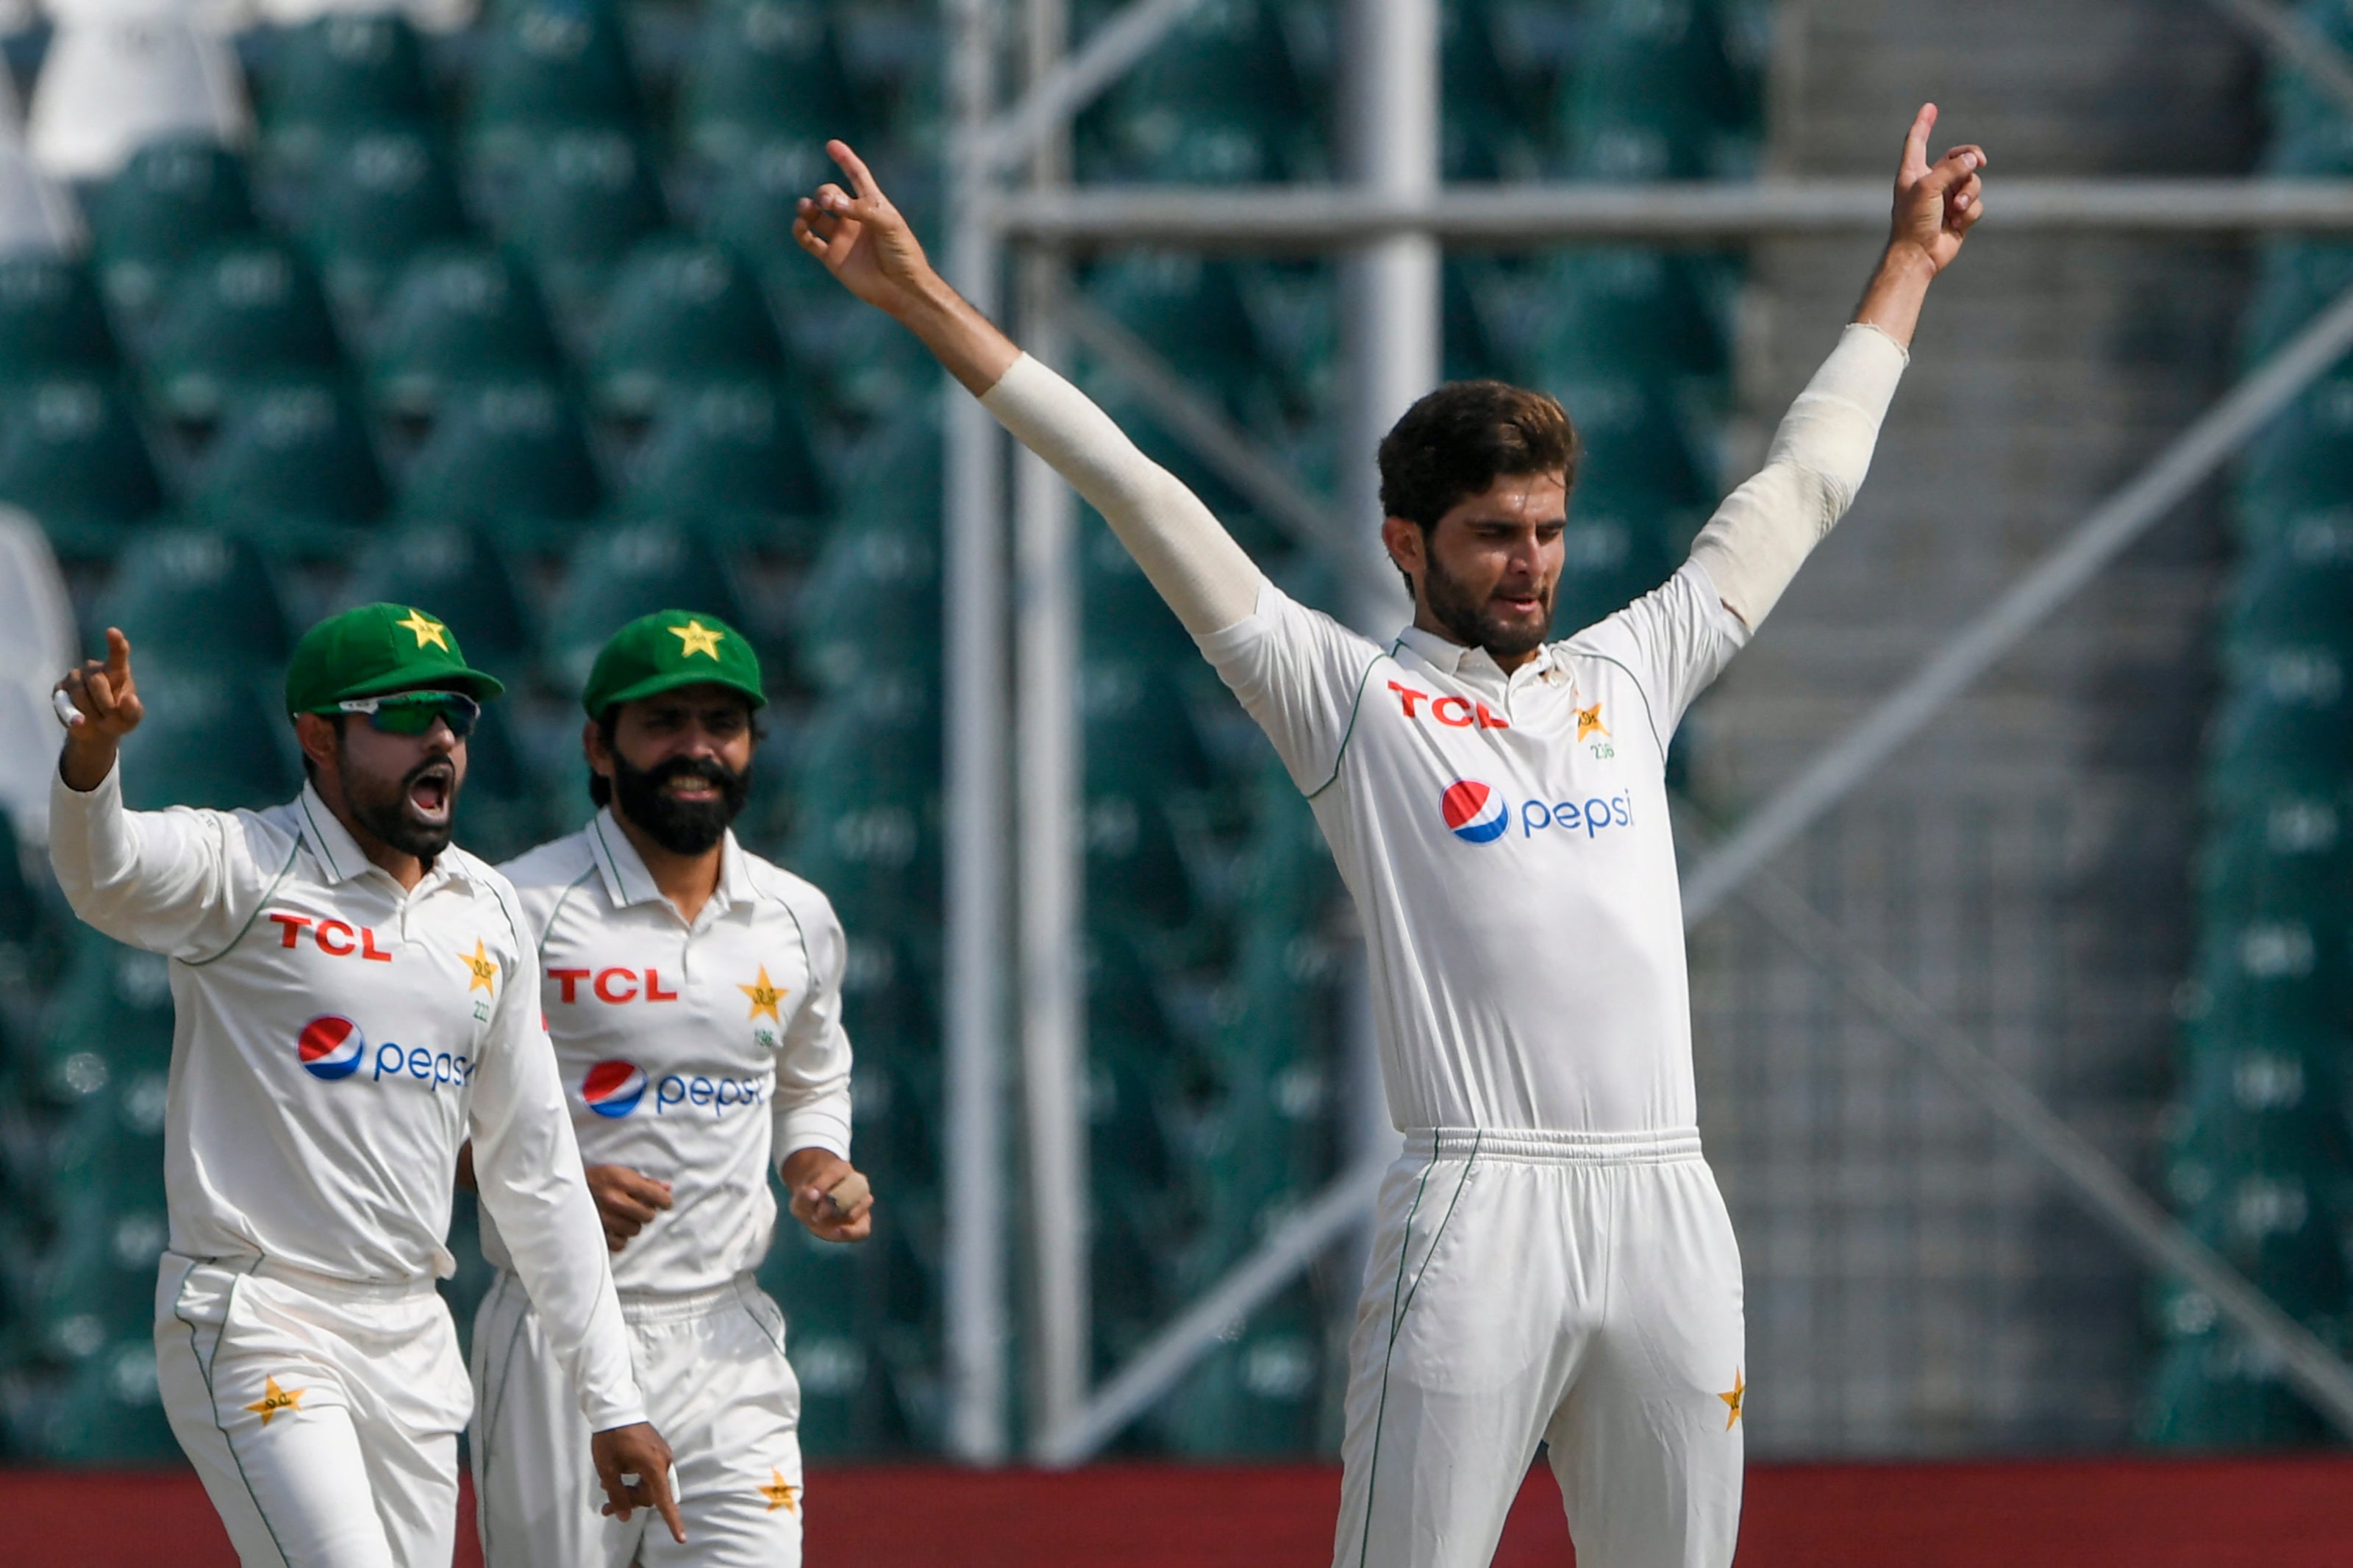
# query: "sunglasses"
[[412, 712]]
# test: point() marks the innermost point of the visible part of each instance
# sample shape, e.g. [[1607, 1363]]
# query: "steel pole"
[[973, 683], [1049, 806]]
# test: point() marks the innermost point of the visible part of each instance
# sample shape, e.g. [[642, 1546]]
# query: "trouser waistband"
[[670, 1306], [1660, 1147], [334, 1287]]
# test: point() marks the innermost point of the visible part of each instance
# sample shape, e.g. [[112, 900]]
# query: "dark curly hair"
[[1463, 437]]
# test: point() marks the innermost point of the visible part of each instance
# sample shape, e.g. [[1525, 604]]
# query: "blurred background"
[[2022, 1039]]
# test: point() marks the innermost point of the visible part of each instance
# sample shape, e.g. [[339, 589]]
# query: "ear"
[[1407, 545], [592, 747], [315, 733]]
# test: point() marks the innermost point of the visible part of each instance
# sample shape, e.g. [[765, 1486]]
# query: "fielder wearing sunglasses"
[[412, 712]]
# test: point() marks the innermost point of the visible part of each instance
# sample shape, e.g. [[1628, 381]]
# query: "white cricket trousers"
[[321, 1416], [1581, 1290], [711, 1367]]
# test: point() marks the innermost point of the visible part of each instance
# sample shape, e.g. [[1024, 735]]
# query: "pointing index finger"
[[1916, 141], [118, 654], [862, 178]]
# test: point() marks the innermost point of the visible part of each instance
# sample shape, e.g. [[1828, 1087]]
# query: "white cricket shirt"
[[694, 1053], [1507, 841], [335, 1039]]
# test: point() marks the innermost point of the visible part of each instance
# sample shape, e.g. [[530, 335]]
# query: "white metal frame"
[[1395, 216]]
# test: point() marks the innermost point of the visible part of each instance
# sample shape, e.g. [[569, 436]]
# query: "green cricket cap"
[[668, 649], [377, 649]]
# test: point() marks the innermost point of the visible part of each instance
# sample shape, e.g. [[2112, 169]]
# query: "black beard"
[[1468, 621], [390, 820], [681, 826]]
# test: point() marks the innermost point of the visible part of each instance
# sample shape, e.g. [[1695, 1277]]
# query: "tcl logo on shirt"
[[334, 938], [1454, 712], [613, 986]]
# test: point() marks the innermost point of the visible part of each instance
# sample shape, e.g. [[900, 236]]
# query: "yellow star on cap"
[[485, 968], [695, 637], [276, 1401], [780, 1492], [1589, 719], [764, 994], [428, 630], [1733, 1399]]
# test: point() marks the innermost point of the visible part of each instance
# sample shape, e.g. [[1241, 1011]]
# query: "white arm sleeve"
[[1189, 558], [178, 882], [811, 1108], [527, 1169], [1753, 545]]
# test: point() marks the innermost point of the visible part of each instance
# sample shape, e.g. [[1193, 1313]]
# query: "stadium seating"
[[460, 574], [458, 317], [508, 456], [335, 75], [768, 71], [51, 322], [586, 198], [625, 572], [734, 461], [113, 82], [192, 600], [376, 201], [549, 66], [175, 199], [246, 315], [683, 316], [291, 466], [73, 454], [1657, 95]]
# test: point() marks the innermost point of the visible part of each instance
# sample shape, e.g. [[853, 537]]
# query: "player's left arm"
[[1752, 546], [526, 1166], [811, 1104]]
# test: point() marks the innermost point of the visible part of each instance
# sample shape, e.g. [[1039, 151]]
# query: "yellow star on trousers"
[[1589, 719], [276, 1401], [1739, 1391], [764, 994], [426, 629], [485, 969], [695, 637], [779, 1492]]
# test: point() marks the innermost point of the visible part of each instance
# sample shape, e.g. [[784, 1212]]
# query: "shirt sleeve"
[[1674, 640], [1192, 562], [180, 882], [527, 1168], [1302, 675], [811, 1107]]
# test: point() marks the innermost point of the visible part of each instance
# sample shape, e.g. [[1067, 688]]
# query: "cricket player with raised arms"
[[355, 998], [1552, 1260], [692, 991]]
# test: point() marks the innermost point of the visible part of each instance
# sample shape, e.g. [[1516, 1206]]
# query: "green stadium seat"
[[548, 65], [620, 574], [2294, 278], [192, 600], [2213, 1390], [109, 1023], [683, 314], [248, 314], [1260, 1396], [1484, 119], [1217, 102], [463, 576], [176, 757], [2289, 711], [871, 603], [175, 200], [1191, 310], [346, 71], [503, 812], [1639, 459], [1655, 95], [764, 71], [377, 199], [1608, 562], [512, 457], [2304, 457], [2298, 596], [51, 322], [865, 786], [586, 199], [1120, 612], [292, 467], [2288, 848], [1616, 310], [458, 317], [2269, 969], [736, 462], [72, 455], [105, 1411]]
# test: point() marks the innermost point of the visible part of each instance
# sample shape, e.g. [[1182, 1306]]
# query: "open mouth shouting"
[[429, 791]]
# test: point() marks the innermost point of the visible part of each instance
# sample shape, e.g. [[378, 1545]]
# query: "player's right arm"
[[1189, 558], [157, 880]]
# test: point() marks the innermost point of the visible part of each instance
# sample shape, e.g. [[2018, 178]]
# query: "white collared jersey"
[[694, 1053], [1507, 842], [335, 1038]]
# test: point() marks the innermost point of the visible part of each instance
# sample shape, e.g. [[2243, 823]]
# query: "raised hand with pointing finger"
[[99, 705]]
